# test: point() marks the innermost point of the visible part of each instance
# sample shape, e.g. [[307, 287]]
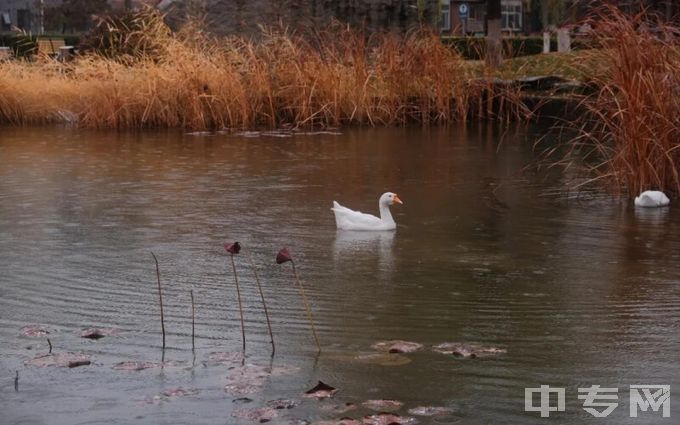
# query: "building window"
[[476, 13], [5, 21], [24, 19], [445, 15], [512, 15]]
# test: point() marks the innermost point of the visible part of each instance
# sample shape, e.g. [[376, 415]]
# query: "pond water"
[[580, 291]]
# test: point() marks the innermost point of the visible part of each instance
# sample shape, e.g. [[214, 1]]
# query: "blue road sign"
[[463, 10]]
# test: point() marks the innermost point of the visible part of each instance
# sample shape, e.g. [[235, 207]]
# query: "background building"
[[245, 16], [533, 16], [23, 14], [453, 22], [36, 16], [225, 16]]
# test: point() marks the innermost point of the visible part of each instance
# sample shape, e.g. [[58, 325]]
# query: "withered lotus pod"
[[232, 248], [283, 256]]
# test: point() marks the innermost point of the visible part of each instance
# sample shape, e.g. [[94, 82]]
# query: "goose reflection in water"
[[364, 249], [653, 216]]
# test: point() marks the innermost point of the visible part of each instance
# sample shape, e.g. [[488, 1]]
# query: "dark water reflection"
[[580, 292]]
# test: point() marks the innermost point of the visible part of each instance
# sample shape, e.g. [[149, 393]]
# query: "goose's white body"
[[347, 219], [651, 199]]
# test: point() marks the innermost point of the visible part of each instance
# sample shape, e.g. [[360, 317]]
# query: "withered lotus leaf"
[[463, 350], [59, 359], [382, 405], [282, 403], [397, 346], [179, 392], [34, 331], [430, 411], [321, 391], [384, 418], [97, 333]]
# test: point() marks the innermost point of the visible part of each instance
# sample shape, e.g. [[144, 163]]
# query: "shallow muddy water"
[[579, 291]]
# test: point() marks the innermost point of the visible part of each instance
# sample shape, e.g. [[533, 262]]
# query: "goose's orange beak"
[[396, 199]]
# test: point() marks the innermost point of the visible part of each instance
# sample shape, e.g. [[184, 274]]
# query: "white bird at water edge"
[[652, 198], [347, 219]]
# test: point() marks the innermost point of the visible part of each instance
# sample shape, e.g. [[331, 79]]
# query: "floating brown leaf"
[[97, 333], [179, 392], [471, 351], [397, 346], [59, 359], [430, 411], [382, 405], [320, 391], [34, 331], [282, 403], [384, 418]]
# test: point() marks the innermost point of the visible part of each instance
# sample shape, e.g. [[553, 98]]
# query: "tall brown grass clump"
[[631, 129], [138, 73]]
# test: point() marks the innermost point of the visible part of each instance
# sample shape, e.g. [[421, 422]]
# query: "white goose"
[[652, 198], [347, 219]]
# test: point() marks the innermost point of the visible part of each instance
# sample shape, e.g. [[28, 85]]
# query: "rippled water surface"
[[579, 291]]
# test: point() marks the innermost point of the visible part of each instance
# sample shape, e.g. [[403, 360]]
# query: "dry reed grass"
[[144, 75], [630, 133]]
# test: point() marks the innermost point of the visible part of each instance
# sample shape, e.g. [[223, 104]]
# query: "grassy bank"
[[629, 134], [139, 74], [152, 77]]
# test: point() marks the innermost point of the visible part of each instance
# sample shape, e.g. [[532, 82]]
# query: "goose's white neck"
[[385, 214]]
